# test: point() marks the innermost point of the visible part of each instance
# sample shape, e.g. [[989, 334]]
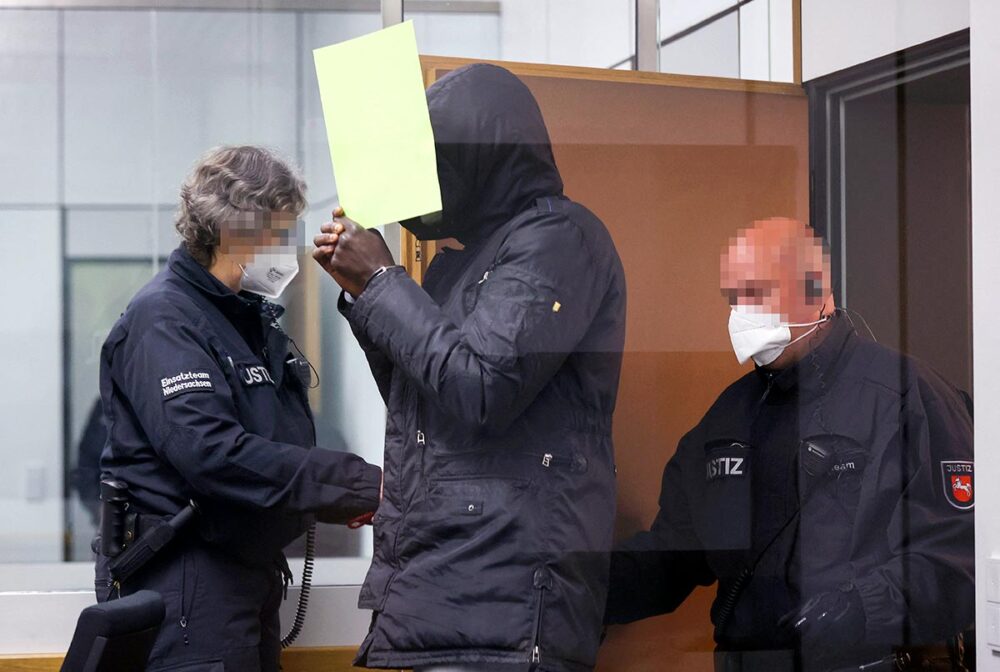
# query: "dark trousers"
[[222, 616]]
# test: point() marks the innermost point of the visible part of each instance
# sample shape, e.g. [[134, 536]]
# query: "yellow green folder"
[[378, 127]]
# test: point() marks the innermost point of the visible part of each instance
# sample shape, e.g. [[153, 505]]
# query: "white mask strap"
[[814, 325]]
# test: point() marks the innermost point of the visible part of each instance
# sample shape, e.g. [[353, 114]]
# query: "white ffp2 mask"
[[762, 336], [270, 271]]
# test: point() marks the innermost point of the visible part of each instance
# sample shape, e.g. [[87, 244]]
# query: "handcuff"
[[378, 271]]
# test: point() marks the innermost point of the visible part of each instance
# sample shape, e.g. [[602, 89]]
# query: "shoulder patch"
[[186, 381], [958, 479]]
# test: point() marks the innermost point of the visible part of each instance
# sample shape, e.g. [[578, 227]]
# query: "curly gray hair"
[[228, 181]]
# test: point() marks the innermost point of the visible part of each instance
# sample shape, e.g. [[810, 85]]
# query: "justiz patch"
[[255, 375], [721, 467], [186, 381], [958, 483]]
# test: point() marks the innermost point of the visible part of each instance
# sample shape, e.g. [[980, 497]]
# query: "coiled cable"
[[303, 605]]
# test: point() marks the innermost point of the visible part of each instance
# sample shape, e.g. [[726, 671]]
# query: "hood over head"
[[494, 156]]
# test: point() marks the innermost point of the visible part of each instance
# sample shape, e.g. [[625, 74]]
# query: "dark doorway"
[[890, 167]]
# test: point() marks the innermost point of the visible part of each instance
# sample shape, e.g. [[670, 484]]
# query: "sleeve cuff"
[[365, 302], [878, 624], [345, 302], [370, 488]]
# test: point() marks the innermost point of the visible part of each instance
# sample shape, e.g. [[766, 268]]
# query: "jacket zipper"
[[536, 651], [421, 437], [542, 582], [421, 442], [548, 460], [184, 619], [767, 389]]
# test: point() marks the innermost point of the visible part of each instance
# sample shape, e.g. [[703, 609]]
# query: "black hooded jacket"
[[500, 376]]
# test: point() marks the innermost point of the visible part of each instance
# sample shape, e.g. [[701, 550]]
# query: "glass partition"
[[104, 112]]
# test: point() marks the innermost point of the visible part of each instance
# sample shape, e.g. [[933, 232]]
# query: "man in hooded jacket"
[[500, 376]]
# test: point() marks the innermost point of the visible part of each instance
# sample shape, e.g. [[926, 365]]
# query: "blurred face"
[[252, 233], [776, 267]]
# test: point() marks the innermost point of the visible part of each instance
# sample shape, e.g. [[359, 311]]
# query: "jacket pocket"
[[829, 496], [836, 483], [470, 293], [466, 507], [518, 319], [466, 554]]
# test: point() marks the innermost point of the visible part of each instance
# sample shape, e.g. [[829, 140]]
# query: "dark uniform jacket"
[[500, 377], [202, 400], [888, 514]]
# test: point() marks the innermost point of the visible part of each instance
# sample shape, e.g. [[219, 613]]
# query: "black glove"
[[828, 620]]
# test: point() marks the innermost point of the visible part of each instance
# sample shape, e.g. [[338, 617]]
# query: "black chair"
[[116, 636]]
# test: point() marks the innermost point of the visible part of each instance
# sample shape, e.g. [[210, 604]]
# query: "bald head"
[[778, 266]]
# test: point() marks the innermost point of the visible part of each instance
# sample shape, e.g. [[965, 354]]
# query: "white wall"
[[766, 45], [837, 34], [985, 37], [29, 91], [31, 414], [31, 399]]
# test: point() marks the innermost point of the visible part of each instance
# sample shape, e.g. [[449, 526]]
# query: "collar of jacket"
[[182, 264], [810, 373]]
